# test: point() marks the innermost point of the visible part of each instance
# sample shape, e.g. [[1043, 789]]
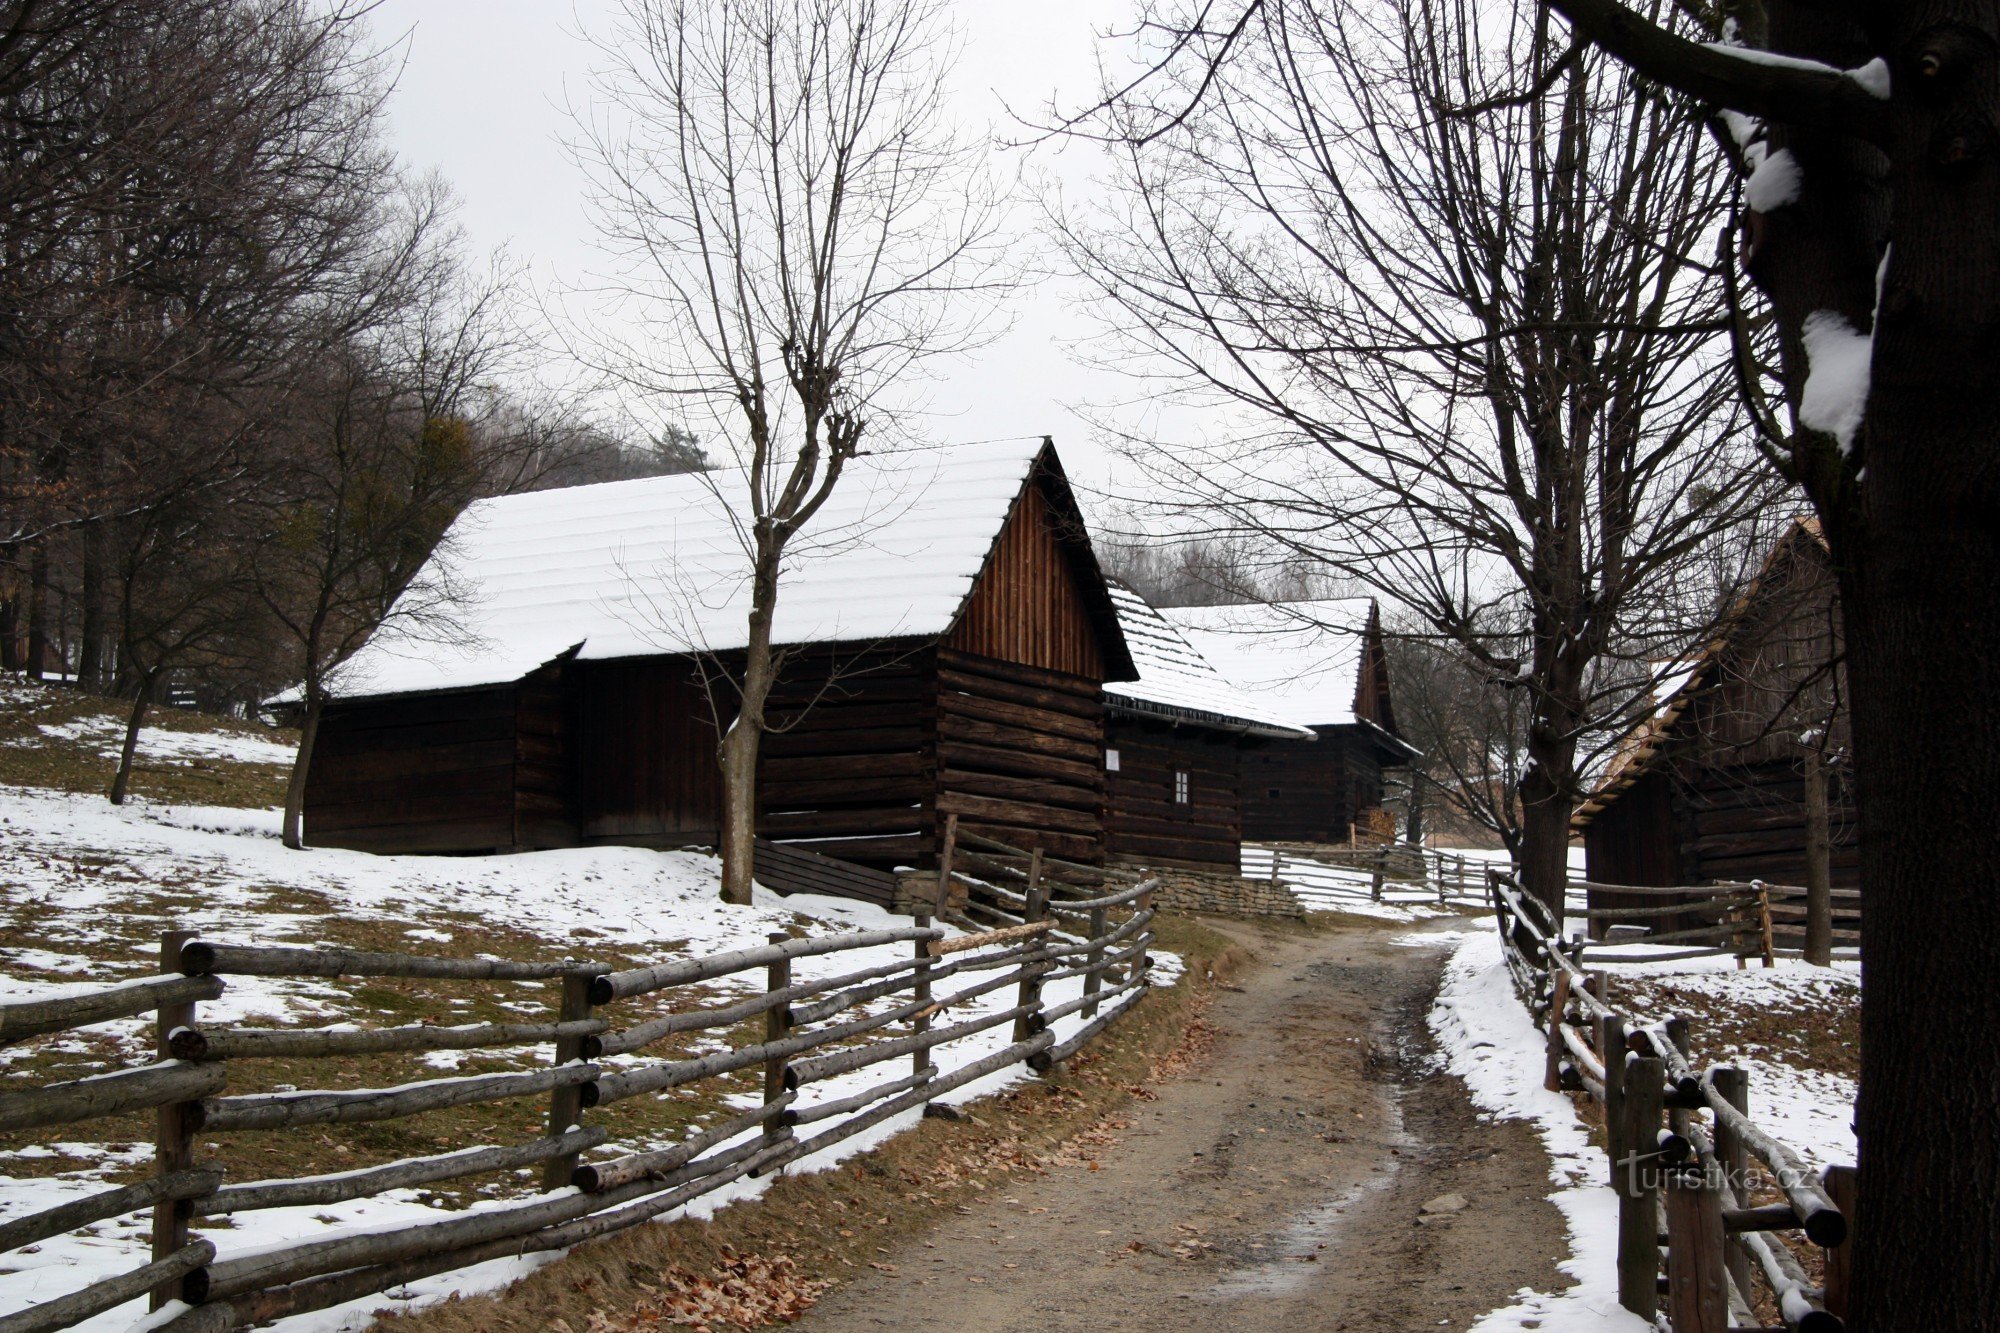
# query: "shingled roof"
[[1300, 661], [658, 566], [1178, 684]]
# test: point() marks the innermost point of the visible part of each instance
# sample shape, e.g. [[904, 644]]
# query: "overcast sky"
[[481, 99]]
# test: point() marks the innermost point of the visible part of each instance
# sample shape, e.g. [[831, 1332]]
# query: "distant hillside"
[[59, 738]]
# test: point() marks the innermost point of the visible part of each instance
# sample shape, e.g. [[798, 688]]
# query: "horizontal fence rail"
[[1689, 1226], [1333, 878], [597, 1175]]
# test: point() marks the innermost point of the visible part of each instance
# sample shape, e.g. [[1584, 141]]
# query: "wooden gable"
[[1028, 605]]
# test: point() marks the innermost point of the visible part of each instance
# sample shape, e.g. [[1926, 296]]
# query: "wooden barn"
[[950, 637], [1176, 739], [1322, 666], [1713, 787]]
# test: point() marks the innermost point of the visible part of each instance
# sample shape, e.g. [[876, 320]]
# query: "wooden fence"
[[1699, 1200], [1332, 878], [1743, 920], [810, 1032]]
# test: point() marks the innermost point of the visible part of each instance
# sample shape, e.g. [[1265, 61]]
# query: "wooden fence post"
[[920, 992], [1764, 921], [566, 1104], [1381, 873], [1277, 860], [1558, 1002], [1093, 980], [1031, 973], [1641, 1093], [1697, 1282], [942, 908], [1732, 1155], [777, 1023], [1840, 1184], [174, 1127], [1611, 1050]]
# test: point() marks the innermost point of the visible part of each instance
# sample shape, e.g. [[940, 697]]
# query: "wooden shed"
[[1176, 740], [1712, 787], [949, 633], [1321, 666]]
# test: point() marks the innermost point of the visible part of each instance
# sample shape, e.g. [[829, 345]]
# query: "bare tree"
[[1470, 321], [796, 230], [1873, 238], [1470, 733]]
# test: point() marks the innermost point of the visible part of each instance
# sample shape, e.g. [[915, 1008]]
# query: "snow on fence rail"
[[1689, 1226], [814, 1032]]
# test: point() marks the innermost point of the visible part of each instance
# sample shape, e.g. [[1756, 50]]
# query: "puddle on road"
[[1414, 1058], [1315, 1231]]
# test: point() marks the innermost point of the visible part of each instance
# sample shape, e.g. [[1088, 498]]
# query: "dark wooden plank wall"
[[1020, 754], [1026, 606], [1143, 822], [423, 773], [1748, 822], [848, 770], [545, 807], [793, 869], [1314, 798], [644, 771]]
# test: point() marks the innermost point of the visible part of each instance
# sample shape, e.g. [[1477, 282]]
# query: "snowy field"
[[85, 887], [1490, 1042]]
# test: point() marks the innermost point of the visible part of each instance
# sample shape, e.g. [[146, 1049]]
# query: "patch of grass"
[[831, 1223], [31, 757]]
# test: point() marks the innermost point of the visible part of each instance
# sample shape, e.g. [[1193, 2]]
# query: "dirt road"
[[1277, 1182]]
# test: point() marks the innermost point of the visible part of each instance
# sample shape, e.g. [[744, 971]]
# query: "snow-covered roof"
[[658, 565], [1300, 661], [1177, 682]]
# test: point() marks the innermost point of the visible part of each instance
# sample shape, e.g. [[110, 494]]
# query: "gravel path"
[[1278, 1181]]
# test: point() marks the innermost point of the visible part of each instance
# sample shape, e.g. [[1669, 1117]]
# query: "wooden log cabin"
[[949, 637], [1317, 665], [1176, 739], [1712, 786]]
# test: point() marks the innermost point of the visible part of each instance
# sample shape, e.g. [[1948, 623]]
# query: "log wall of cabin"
[[545, 805], [1310, 791], [421, 773], [848, 768], [1020, 754], [1748, 822], [1145, 823], [642, 770]]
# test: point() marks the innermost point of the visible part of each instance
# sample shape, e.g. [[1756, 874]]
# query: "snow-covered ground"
[[98, 881], [1490, 1042]]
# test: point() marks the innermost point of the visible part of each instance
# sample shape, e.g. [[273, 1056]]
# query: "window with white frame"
[[1180, 786]]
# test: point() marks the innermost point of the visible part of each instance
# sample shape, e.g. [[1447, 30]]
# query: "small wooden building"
[[1176, 739], [950, 635], [1322, 666], [1712, 787]]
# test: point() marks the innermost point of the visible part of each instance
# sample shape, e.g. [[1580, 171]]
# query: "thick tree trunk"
[[38, 612], [743, 738], [1544, 854], [121, 781], [1819, 867], [10, 634], [91, 673], [295, 790], [1923, 642], [739, 810], [1546, 808]]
